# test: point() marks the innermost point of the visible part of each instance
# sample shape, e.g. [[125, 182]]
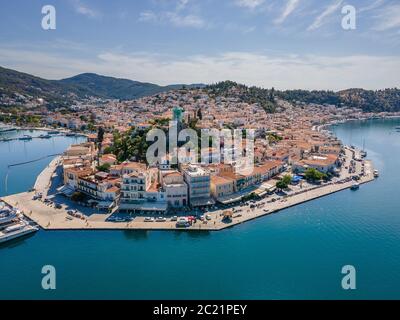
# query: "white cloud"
[[373, 5], [85, 10], [173, 18], [320, 20], [388, 18], [182, 4], [291, 5], [190, 20], [251, 4], [283, 72]]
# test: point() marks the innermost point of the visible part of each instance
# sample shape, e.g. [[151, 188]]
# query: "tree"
[[105, 167], [284, 182], [312, 174]]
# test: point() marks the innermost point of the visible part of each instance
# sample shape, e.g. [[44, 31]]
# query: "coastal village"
[[296, 159]]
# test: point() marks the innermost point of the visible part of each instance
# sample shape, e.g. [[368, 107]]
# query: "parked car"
[[148, 219], [161, 219], [174, 218]]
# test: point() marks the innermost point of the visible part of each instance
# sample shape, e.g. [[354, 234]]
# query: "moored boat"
[[45, 136], [376, 173], [355, 186], [26, 137]]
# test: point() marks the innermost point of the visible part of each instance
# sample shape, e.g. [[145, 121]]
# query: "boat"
[[45, 136], [7, 129], [376, 173], [7, 216], [363, 153], [26, 137], [16, 231], [355, 186], [54, 132], [70, 134]]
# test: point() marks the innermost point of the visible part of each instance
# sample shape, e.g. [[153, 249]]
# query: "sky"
[[286, 44]]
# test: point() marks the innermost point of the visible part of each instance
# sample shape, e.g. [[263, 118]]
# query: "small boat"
[[45, 136], [376, 173], [25, 137], [70, 134], [54, 132], [363, 154], [355, 186]]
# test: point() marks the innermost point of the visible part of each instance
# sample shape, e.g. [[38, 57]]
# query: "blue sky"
[[281, 43]]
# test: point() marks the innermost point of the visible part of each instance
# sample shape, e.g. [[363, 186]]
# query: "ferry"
[[26, 137], [376, 173], [355, 186]]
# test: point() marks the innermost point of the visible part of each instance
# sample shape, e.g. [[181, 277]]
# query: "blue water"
[[297, 253]]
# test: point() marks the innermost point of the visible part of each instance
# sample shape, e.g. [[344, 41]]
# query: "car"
[[161, 219], [148, 219], [70, 212], [174, 218], [208, 217], [58, 206]]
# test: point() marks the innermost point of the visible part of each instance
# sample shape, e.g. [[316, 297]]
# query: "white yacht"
[[12, 224], [17, 230], [376, 173]]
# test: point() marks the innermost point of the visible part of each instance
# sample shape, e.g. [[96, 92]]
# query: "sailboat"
[[363, 153]]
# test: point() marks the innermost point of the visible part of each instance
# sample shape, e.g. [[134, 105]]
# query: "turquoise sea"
[[297, 253]]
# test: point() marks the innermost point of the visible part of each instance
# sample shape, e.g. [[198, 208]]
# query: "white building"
[[198, 181], [175, 188]]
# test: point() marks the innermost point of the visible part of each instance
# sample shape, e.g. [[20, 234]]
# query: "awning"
[[67, 191], [144, 206], [202, 202], [104, 205]]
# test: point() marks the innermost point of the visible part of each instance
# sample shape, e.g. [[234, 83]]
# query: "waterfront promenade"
[[50, 218]]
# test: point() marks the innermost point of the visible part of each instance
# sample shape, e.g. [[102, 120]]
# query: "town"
[[106, 182]]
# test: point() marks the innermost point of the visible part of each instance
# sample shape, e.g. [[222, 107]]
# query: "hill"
[[84, 85]]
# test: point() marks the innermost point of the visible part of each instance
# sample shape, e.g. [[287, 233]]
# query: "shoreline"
[[55, 220], [51, 219]]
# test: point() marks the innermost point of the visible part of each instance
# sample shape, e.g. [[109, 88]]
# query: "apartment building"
[[198, 181]]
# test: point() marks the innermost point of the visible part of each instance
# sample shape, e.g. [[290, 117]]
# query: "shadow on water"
[[136, 234]]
